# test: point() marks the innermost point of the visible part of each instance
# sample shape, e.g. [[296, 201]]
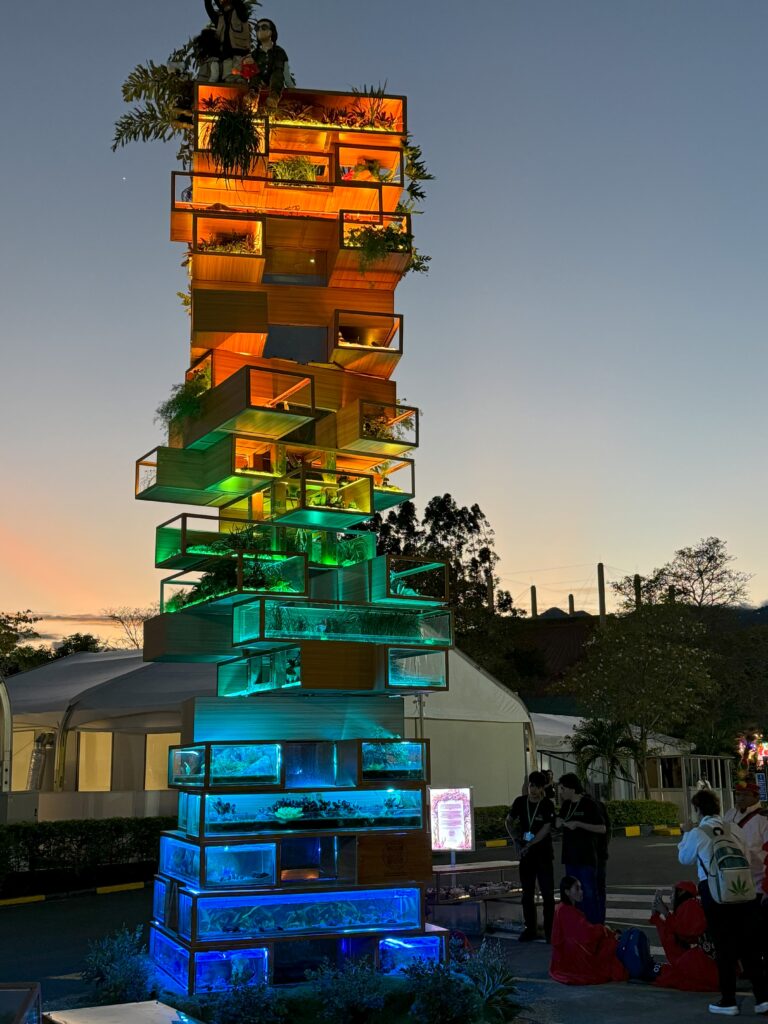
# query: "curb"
[[101, 890]]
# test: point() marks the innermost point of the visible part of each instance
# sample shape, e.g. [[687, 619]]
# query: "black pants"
[[539, 869], [735, 931]]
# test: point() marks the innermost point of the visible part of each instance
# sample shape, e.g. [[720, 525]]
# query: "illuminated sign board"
[[451, 819]]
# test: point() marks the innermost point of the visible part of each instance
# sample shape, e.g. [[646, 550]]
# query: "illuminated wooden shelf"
[[258, 400], [387, 429], [368, 343], [210, 476]]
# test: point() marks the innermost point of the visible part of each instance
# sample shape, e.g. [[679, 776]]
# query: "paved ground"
[[47, 941]]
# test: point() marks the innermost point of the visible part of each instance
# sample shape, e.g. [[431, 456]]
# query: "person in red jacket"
[[582, 953], [682, 931]]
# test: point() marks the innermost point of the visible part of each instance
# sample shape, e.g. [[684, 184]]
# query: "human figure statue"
[[225, 47], [271, 61]]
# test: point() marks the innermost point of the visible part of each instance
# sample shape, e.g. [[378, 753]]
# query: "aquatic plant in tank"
[[216, 971], [245, 764], [398, 760], [254, 813], [186, 766], [247, 917], [395, 954]]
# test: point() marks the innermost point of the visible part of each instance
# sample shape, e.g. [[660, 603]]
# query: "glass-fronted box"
[[225, 764], [252, 814], [288, 861], [394, 761], [208, 918], [20, 1003], [211, 971]]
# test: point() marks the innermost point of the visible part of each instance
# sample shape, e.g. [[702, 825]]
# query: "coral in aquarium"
[[245, 764]]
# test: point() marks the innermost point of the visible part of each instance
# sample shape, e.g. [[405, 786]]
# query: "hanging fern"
[[235, 139]]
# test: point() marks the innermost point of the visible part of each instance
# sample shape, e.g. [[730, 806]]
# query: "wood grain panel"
[[394, 858]]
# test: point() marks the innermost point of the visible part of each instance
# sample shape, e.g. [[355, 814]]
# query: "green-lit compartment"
[[325, 498], [266, 620], [414, 669], [185, 540], [222, 581], [276, 670], [245, 764]]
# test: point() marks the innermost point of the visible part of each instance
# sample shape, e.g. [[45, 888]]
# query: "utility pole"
[[601, 591], [571, 605], [534, 609]]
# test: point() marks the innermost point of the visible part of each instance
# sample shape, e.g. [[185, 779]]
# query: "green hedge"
[[79, 846], [489, 821], [642, 812]]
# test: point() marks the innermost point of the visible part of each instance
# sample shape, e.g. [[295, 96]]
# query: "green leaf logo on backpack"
[[740, 888]]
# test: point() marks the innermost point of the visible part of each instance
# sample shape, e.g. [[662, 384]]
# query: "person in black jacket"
[[271, 61], [529, 822], [232, 38]]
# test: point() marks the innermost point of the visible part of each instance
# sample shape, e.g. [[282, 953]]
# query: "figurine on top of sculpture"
[[226, 53]]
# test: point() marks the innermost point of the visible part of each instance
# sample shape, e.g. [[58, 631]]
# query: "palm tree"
[[598, 739]]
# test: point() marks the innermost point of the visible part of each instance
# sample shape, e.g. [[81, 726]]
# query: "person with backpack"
[[727, 892], [753, 822]]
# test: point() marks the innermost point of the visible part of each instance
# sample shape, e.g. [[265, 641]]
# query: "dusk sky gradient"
[[589, 349]]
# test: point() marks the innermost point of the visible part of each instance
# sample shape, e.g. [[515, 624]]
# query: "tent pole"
[[60, 760], [6, 739]]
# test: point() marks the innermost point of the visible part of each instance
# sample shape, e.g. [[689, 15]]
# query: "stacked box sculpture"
[[302, 832]]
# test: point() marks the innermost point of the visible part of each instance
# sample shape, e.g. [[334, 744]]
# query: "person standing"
[[529, 822], [734, 926], [581, 821], [271, 63], [753, 822]]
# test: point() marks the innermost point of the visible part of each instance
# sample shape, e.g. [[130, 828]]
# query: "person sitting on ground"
[[582, 953], [733, 920], [683, 934]]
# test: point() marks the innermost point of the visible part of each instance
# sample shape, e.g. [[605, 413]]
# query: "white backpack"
[[729, 875]]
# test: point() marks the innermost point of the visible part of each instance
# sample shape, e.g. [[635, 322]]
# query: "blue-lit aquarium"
[[318, 859], [396, 954], [159, 897], [189, 813], [242, 917], [245, 764], [316, 764], [216, 971], [330, 811], [244, 865], [186, 766], [170, 957], [389, 760]]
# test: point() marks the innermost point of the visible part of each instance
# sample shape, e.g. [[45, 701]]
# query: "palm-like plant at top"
[[607, 745]]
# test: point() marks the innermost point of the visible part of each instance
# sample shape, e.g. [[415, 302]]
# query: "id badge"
[[528, 836]]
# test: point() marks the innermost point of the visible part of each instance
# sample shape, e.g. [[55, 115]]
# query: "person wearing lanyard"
[[529, 823], [582, 823]]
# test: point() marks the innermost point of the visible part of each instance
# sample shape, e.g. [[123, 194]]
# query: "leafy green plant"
[[231, 244], [294, 168], [246, 1003], [185, 401], [118, 968], [349, 994], [376, 242], [490, 973], [235, 139], [441, 996], [641, 812]]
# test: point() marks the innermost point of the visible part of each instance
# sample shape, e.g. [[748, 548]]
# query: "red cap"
[[687, 887], [747, 787]]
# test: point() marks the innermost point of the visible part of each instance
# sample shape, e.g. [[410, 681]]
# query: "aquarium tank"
[[240, 867], [315, 764], [339, 810], [170, 957], [215, 971], [186, 766], [244, 917], [395, 954], [276, 670], [414, 669], [318, 859], [245, 764], [397, 760], [159, 897]]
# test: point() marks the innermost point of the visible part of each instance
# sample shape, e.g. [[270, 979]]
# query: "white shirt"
[[695, 846], [754, 833]]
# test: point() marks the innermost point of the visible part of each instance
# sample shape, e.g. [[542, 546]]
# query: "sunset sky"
[[589, 349]]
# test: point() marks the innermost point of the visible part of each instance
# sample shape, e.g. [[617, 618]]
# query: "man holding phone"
[[529, 823]]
